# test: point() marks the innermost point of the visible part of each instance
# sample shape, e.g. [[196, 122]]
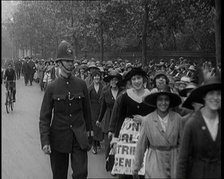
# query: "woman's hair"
[[96, 72], [166, 78]]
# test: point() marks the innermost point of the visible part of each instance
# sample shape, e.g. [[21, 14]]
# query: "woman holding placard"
[[129, 106]]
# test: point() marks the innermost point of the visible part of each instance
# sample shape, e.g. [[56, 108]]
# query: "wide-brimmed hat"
[[183, 80], [112, 74], [188, 88], [96, 72], [135, 71], [92, 65], [151, 99], [65, 52], [192, 68], [197, 94]]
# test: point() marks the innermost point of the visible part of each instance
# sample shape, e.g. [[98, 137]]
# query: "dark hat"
[[65, 51], [151, 99], [135, 71], [188, 88], [112, 74], [197, 94], [161, 73], [82, 66], [47, 61], [96, 72]]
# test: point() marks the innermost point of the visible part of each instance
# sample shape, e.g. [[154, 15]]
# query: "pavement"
[[22, 157]]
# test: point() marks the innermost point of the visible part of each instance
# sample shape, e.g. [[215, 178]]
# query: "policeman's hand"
[[110, 135], [47, 149], [90, 133], [90, 137], [98, 123]]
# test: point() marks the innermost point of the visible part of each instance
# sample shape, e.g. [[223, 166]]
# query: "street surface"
[[22, 157]]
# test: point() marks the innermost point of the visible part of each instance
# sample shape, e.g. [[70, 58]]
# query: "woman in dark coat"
[[107, 102], [95, 91], [200, 152], [130, 103]]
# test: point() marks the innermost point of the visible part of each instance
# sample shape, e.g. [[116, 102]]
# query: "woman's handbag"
[[110, 159]]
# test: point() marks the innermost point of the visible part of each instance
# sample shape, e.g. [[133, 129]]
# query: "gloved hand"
[[47, 149], [90, 137]]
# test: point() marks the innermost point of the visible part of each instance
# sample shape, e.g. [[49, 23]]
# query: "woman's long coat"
[[200, 156], [95, 110], [163, 146], [107, 103]]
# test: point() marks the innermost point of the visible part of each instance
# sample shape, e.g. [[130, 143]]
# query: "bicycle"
[[9, 104]]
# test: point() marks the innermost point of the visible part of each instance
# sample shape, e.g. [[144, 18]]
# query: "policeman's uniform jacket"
[[65, 115]]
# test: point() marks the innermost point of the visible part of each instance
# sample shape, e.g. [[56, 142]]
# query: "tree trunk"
[[174, 40], [218, 31], [144, 33], [101, 42]]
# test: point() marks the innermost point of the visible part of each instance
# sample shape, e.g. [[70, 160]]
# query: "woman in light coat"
[[161, 134]]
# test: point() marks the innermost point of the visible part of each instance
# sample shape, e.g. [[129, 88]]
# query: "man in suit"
[[65, 119], [18, 65], [32, 68], [25, 69]]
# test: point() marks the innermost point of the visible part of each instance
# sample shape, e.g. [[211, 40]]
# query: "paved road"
[[22, 157]]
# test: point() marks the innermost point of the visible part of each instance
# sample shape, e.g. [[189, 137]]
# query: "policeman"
[[65, 119]]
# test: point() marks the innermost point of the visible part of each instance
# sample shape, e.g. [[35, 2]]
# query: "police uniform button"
[[70, 104], [79, 97], [70, 115], [67, 82], [138, 107], [70, 126], [58, 99]]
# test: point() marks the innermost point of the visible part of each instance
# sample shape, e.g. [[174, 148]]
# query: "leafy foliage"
[[172, 25]]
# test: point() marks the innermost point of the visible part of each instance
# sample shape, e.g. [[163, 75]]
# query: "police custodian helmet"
[[65, 51]]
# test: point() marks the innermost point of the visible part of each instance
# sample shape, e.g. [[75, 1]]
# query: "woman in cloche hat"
[[200, 151], [109, 95], [160, 133], [95, 92]]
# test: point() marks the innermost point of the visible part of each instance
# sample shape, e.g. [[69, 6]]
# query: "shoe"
[[94, 151]]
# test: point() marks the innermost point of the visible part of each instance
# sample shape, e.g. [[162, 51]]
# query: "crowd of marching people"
[[176, 102]]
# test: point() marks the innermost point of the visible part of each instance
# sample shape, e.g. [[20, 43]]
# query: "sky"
[[8, 7]]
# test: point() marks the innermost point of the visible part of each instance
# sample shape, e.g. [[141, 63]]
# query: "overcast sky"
[[8, 7]]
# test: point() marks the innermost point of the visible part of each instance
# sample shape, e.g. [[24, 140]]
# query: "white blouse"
[[212, 127]]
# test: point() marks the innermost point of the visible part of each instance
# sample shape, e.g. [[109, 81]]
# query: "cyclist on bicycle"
[[10, 80]]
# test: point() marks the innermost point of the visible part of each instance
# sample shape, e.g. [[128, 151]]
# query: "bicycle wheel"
[[11, 102], [7, 102]]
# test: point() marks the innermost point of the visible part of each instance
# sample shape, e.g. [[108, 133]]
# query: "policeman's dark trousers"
[[60, 163]]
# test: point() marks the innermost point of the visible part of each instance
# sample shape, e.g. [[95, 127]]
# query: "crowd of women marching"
[[176, 102]]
